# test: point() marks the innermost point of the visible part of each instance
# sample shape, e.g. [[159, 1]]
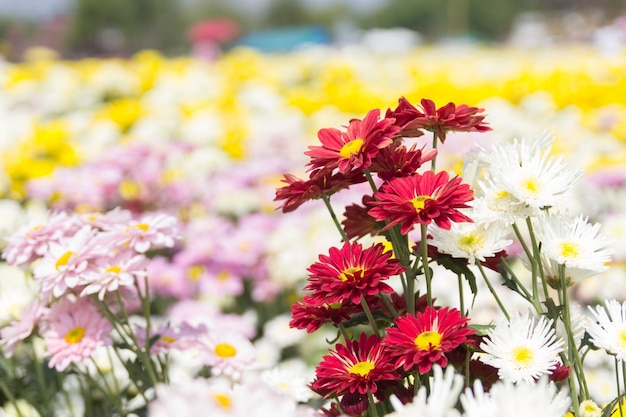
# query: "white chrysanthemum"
[[608, 329], [19, 408], [288, 382], [589, 408], [506, 399], [496, 205], [574, 243], [444, 394], [278, 331], [521, 349], [471, 241], [529, 173]]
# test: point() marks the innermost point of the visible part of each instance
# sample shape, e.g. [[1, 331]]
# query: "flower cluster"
[[417, 223]]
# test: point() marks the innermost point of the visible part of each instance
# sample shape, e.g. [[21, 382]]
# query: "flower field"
[[314, 234]]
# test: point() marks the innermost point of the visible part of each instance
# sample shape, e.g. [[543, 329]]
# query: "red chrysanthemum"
[[422, 199], [357, 223], [398, 161], [321, 182], [311, 317], [441, 120], [350, 273], [419, 341], [358, 367], [355, 147]]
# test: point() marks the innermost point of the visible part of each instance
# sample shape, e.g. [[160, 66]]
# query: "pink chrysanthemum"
[[180, 336], [152, 231], [112, 273], [350, 273], [355, 147], [358, 367], [65, 262], [421, 340], [422, 199], [17, 331], [228, 353], [75, 330]]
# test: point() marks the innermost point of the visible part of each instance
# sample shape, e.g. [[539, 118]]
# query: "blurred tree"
[[126, 26]]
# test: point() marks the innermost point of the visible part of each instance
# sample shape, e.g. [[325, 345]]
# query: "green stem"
[[619, 393], [41, 380], [7, 393], [572, 350], [343, 331], [370, 317], [427, 276], [326, 201], [370, 180], [493, 291], [389, 305], [461, 300], [107, 390], [433, 161], [372, 407], [537, 260]]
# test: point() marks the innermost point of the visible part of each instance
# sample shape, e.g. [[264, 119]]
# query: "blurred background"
[[80, 28]]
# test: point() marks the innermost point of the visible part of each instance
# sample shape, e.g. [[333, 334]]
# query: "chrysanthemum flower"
[[75, 330], [17, 331], [351, 273], [438, 402], [515, 400], [608, 328], [151, 231], [228, 353], [111, 273], [322, 182], [65, 262], [441, 120], [354, 148], [574, 243], [471, 241], [422, 199], [528, 172], [521, 349], [358, 367], [311, 317], [357, 222], [398, 161], [421, 340]]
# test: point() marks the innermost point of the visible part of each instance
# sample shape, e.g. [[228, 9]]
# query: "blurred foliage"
[[118, 26]]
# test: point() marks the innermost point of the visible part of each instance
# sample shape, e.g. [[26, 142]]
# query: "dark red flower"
[[355, 147], [357, 223], [418, 341], [354, 405], [422, 199], [311, 317], [398, 161], [560, 373], [321, 182], [350, 273], [356, 368], [441, 120]]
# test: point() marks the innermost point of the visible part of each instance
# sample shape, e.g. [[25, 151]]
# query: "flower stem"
[[433, 162], [427, 276], [7, 393], [493, 292], [617, 385], [326, 200], [372, 407], [370, 317], [461, 300]]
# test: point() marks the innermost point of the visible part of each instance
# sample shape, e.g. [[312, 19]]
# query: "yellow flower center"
[[351, 272], [428, 340], [622, 338], [64, 259], [471, 240], [531, 184], [361, 368], [168, 339], [194, 272], [113, 269], [351, 148], [142, 226], [225, 350], [75, 335], [523, 356], [419, 201], [223, 400], [569, 250]]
